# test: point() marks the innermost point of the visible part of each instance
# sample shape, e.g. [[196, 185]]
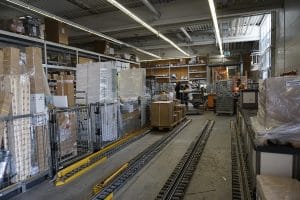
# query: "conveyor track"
[[177, 183], [136, 164], [241, 183]]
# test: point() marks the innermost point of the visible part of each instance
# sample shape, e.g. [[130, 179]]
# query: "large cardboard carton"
[[1, 62], [56, 31], [65, 87], [42, 142], [11, 59], [162, 113], [179, 113], [35, 68], [182, 108]]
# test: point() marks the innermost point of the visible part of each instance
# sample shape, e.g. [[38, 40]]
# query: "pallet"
[[162, 128]]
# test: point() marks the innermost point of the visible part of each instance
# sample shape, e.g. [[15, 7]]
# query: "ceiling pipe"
[[151, 8], [186, 33]]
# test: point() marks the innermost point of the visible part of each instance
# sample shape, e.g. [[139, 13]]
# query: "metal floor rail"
[[136, 164], [177, 183], [241, 183]]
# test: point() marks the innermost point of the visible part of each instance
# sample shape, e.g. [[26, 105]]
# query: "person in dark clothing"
[[185, 96], [177, 90]]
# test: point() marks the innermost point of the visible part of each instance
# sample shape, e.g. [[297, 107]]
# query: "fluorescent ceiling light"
[[75, 25], [150, 28], [215, 22]]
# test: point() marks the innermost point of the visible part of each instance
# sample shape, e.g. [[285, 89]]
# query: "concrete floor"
[[211, 180]]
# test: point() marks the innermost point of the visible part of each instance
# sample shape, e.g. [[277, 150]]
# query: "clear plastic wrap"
[[132, 82], [279, 101], [97, 82], [288, 133]]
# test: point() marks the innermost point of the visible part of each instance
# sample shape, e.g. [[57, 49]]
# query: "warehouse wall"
[[287, 54]]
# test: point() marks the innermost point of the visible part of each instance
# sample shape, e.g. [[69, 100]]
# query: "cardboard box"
[[56, 31], [1, 62], [42, 142], [37, 103], [35, 68], [83, 60], [102, 46], [5, 103], [182, 108], [65, 87], [67, 134], [179, 113], [162, 113], [11, 59]]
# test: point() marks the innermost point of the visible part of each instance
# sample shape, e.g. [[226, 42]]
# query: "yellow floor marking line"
[[97, 188]]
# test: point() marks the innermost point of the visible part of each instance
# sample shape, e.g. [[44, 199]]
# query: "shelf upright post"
[[169, 72], [45, 57], [77, 58]]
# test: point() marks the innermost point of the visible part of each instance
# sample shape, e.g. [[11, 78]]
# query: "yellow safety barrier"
[[61, 179]]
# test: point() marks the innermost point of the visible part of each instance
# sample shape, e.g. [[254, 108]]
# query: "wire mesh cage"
[[70, 135], [24, 150], [104, 124]]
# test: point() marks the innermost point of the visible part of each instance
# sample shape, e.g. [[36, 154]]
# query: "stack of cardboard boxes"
[[67, 134], [16, 135], [65, 87], [37, 107], [166, 113]]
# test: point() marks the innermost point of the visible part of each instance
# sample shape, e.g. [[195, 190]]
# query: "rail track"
[[106, 191], [241, 182], [177, 183]]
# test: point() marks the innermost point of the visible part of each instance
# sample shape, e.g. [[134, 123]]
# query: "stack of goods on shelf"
[[65, 88], [23, 87], [26, 25], [32, 26], [56, 31], [16, 135], [13, 25], [278, 111], [97, 83], [38, 89]]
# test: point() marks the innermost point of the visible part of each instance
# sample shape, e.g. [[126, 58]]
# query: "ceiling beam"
[[151, 8], [83, 6], [206, 42]]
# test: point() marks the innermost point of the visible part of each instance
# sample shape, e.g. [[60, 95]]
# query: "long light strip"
[[75, 25], [150, 28], [215, 21]]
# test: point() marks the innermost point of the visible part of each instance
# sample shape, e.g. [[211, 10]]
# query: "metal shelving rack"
[[22, 40]]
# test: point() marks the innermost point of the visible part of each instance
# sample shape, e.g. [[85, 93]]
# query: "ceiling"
[[186, 22]]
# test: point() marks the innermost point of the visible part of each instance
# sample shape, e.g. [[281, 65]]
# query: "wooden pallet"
[[163, 128]]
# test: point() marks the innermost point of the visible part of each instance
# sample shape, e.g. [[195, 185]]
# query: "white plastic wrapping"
[[278, 116], [132, 82], [279, 101], [96, 82]]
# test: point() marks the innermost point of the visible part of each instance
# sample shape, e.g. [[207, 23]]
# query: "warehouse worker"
[[177, 89]]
